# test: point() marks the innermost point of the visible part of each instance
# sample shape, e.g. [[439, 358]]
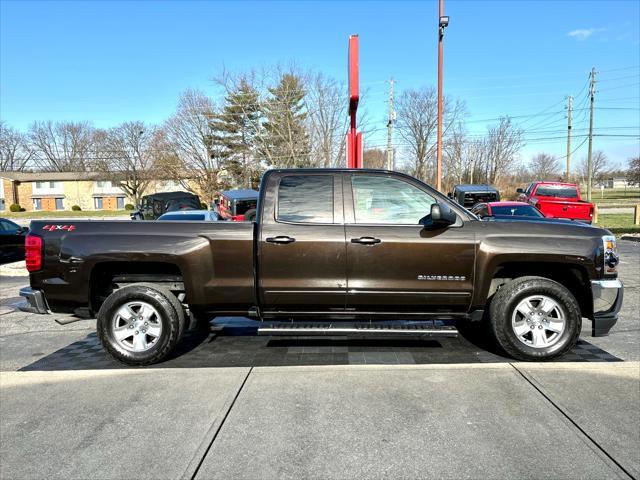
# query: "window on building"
[[37, 204], [97, 203], [59, 204], [120, 203], [39, 184], [104, 184], [306, 198]]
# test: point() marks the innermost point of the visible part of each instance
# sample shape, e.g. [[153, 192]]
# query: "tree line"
[[275, 119]]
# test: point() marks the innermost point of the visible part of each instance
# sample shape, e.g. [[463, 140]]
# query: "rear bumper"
[[35, 301], [607, 302]]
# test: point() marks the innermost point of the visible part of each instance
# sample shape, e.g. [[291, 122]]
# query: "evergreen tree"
[[236, 129], [285, 142]]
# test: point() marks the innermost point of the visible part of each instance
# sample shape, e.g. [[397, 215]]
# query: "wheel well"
[[573, 277], [109, 276]]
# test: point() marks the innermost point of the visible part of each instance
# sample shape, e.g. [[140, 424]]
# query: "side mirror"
[[450, 195], [519, 190], [441, 216]]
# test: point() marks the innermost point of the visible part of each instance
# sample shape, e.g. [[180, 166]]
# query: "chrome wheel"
[[538, 321], [136, 326]]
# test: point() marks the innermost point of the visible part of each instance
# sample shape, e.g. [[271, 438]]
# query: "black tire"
[[507, 299], [168, 317], [177, 306], [250, 215]]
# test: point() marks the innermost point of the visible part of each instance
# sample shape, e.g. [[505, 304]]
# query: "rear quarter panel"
[[215, 258]]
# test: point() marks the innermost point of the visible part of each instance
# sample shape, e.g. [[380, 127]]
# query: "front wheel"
[[535, 319], [138, 325]]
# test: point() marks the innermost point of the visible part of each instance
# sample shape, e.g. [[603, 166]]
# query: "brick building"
[[61, 190]]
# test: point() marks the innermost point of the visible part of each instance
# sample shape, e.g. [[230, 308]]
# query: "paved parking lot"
[[234, 405]]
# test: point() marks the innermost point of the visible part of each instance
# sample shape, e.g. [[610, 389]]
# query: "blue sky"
[[109, 62]]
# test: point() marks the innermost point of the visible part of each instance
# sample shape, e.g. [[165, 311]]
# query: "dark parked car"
[[153, 206], [12, 238], [326, 246], [516, 211], [511, 209], [469, 195], [238, 205]]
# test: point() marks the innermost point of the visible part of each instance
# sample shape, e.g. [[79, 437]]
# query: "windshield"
[[516, 210], [559, 191], [186, 216]]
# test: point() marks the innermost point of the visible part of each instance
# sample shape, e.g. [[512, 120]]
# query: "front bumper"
[[35, 301], [607, 301]]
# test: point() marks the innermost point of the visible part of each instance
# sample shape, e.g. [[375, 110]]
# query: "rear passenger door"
[[302, 253]]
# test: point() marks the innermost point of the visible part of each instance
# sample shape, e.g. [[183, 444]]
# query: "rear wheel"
[[138, 325], [534, 318]]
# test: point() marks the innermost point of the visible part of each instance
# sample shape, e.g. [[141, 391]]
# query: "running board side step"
[[364, 329]]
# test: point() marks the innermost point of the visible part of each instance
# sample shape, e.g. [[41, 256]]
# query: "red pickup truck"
[[557, 200]]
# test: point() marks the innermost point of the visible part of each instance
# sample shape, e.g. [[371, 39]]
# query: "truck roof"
[[170, 195], [240, 194], [475, 188], [562, 184]]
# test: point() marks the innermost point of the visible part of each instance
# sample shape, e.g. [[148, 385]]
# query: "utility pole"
[[442, 24], [392, 117], [569, 110], [592, 92]]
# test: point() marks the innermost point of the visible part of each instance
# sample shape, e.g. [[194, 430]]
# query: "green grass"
[[66, 214], [613, 195], [618, 223]]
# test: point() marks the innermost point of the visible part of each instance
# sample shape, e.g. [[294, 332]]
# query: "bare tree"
[[633, 173], [544, 166], [191, 136], [15, 152], [504, 141], [417, 113], [374, 158], [127, 157], [599, 167], [62, 146], [455, 159], [327, 120], [477, 154]]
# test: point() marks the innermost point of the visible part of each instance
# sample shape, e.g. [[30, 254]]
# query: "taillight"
[[33, 252]]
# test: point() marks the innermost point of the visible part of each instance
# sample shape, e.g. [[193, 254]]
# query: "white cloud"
[[583, 33]]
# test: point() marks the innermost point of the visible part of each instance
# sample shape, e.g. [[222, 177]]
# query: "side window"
[[385, 200], [306, 199]]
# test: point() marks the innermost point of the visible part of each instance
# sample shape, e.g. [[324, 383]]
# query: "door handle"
[[366, 240], [280, 239]]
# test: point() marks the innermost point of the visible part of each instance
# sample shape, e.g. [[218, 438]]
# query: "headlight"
[[610, 257]]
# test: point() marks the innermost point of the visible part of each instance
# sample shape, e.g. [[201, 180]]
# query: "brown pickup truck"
[[347, 247]]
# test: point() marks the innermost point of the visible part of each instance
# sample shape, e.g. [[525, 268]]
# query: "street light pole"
[[443, 22]]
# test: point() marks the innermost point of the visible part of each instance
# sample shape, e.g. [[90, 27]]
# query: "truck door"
[[302, 254], [393, 263]]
